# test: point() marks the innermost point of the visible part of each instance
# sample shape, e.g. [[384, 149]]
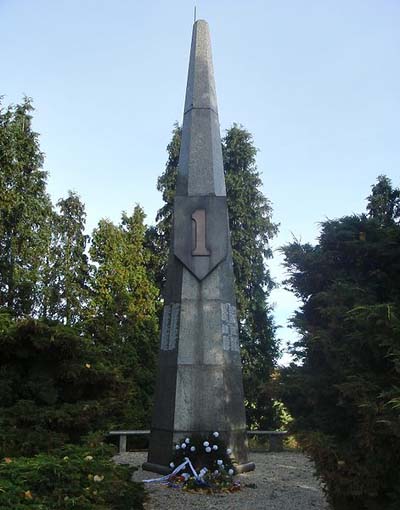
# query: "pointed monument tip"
[[201, 25], [200, 161], [200, 92]]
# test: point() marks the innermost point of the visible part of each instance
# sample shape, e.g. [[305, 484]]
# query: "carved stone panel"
[[170, 327], [201, 233], [230, 331]]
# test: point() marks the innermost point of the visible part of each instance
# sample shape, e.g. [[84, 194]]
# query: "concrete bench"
[[275, 437], [123, 435]]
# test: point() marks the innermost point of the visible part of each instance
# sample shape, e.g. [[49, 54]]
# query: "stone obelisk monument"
[[199, 386]]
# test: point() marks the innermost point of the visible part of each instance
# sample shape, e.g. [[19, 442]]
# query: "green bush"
[[345, 392], [55, 387], [74, 478]]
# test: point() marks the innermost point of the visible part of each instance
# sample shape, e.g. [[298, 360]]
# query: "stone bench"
[[123, 435], [275, 437]]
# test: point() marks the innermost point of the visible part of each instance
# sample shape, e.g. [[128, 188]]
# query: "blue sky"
[[316, 82]]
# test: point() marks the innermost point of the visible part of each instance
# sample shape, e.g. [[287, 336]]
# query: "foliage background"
[[345, 392], [79, 327], [79, 314]]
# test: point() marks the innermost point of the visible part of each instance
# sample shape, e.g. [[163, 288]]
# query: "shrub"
[[55, 387], [345, 393], [76, 477]]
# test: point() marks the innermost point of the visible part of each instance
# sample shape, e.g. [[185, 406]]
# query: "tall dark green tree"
[[158, 236], [250, 216], [384, 201], [344, 391], [25, 211], [66, 276]]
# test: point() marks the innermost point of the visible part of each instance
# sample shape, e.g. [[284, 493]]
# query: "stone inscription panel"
[[170, 327], [230, 332]]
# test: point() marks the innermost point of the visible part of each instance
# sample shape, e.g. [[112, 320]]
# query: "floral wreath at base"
[[201, 463]]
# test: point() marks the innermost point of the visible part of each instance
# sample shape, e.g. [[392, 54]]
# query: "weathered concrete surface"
[[199, 383]]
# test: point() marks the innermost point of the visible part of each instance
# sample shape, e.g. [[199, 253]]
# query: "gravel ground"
[[281, 481]]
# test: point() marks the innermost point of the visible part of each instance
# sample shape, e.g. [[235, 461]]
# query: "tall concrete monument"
[[199, 386]]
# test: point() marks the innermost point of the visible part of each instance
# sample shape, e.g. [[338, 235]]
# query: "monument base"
[[165, 470], [245, 468]]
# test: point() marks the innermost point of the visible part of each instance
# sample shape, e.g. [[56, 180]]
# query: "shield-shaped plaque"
[[201, 233]]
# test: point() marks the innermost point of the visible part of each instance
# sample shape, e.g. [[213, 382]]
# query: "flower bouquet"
[[203, 463]]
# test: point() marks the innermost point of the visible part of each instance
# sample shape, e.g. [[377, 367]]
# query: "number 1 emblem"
[[199, 234]]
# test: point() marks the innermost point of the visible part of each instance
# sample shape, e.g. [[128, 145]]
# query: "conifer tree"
[[384, 201], [66, 276], [158, 236], [344, 391], [25, 211], [250, 217], [123, 307]]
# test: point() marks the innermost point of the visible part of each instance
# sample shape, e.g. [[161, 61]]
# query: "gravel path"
[[281, 481]]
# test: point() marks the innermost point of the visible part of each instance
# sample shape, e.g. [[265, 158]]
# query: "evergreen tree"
[[250, 219], [123, 308], [344, 393], [67, 273], [25, 211], [251, 229], [384, 201], [158, 237]]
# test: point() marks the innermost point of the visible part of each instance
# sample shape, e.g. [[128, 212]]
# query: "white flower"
[[219, 462], [216, 434], [216, 472], [171, 465], [206, 443], [88, 457], [228, 451], [208, 449], [230, 472], [215, 447], [192, 448], [183, 445], [98, 478], [177, 447], [187, 440]]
